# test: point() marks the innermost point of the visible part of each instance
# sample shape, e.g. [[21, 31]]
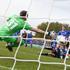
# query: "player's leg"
[[9, 46], [25, 43], [10, 43], [9, 40], [13, 42], [6, 39], [31, 43]]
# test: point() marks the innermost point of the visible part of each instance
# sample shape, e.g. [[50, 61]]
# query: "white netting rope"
[[17, 51], [65, 65], [45, 34], [39, 61], [20, 41], [21, 60]]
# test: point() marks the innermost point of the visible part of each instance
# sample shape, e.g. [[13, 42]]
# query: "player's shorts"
[[7, 39]]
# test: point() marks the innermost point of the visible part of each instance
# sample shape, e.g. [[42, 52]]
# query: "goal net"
[[35, 56]]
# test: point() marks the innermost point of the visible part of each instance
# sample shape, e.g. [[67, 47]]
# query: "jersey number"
[[12, 24]]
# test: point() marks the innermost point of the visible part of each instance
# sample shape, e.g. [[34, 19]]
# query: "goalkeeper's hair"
[[23, 13]]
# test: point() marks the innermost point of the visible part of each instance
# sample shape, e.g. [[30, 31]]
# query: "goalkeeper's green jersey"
[[14, 24]]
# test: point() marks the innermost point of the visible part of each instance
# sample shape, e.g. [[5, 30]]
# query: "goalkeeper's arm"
[[40, 31]]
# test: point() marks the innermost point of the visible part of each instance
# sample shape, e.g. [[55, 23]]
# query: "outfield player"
[[62, 38], [29, 41], [63, 35]]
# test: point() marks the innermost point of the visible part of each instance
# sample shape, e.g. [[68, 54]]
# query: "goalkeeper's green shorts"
[[7, 39]]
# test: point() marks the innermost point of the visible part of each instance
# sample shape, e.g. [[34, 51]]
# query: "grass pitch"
[[28, 54]]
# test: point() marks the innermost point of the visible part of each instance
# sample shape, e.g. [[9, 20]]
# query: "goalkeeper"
[[14, 24]]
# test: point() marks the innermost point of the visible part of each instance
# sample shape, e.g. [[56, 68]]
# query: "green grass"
[[28, 54]]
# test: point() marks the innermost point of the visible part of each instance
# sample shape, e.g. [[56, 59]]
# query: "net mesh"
[[38, 60]]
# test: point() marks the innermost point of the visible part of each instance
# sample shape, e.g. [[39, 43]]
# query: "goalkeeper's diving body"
[[14, 24]]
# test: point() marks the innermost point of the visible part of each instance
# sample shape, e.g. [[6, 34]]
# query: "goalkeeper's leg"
[[7, 39], [13, 42], [10, 43]]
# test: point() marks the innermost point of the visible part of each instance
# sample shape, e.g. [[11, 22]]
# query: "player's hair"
[[23, 13]]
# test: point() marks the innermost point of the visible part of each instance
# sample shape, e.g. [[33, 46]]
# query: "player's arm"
[[39, 31], [28, 27]]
